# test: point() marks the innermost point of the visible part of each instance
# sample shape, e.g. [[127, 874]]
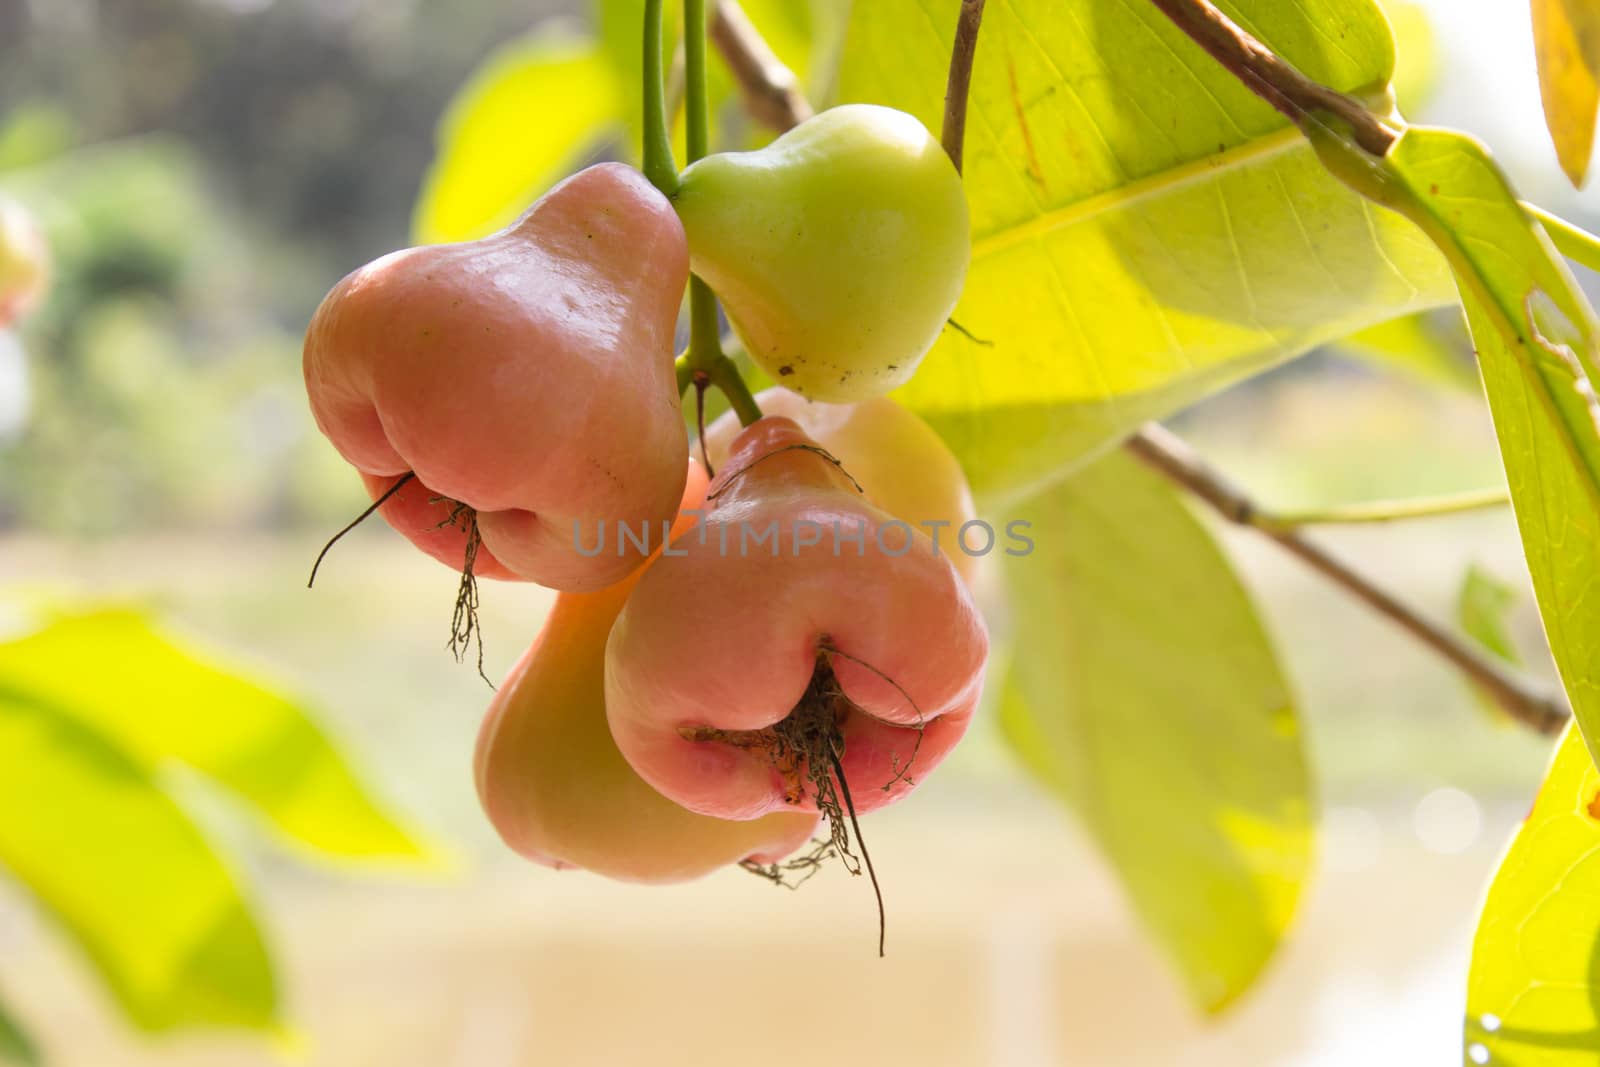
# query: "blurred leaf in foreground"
[[94, 707], [110, 671], [112, 858]]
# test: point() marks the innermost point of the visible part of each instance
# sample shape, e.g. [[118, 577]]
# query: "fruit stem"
[[705, 353], [725, 376], [697, 109], [659, 166]]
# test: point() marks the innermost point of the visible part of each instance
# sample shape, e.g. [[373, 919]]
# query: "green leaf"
[[1144, 690], [15, 1045], [1533, 992], [532, 112], [1482, 607], [1418, 347], [1566, 40], [111, 673], [1416, 69], [1538, 375], [112, 857], [1145, 230]]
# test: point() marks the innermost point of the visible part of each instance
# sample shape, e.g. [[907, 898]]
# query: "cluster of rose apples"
[[728, 656]]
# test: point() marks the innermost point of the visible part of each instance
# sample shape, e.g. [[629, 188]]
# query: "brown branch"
[[771, 90], [1267, 75], [954, 135], [1168, 454]]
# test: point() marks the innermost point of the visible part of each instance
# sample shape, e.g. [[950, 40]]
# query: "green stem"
[[705, 342], [1387, 510], [725, 376], [1574, 242], [697, 107], [705, 355], [659, 166]]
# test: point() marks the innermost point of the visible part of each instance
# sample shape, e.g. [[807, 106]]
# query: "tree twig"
[[1168, 454], [954, 134], [1379, 511], [1270, 77], [771, 90]]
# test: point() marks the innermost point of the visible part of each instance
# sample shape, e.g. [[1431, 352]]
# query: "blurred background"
[[205, 169]]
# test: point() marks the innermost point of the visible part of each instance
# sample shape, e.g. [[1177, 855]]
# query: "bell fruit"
[[839, 250], [744, 675], [558, 791], [904, 466], [24, 262], [527, 376]]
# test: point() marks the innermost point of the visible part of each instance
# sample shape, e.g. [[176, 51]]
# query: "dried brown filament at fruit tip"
[[866, 857], [702, 382], [901, 774], [465, 627], [816, 449], [806, 865], [807, 745], [358, 520]]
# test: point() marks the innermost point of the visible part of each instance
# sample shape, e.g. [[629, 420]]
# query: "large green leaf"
[[533, 110], [1145, 230], [1533, 993], [111, 673], [1537, 340], [112, 857], [1144, 690], [15, 1045]]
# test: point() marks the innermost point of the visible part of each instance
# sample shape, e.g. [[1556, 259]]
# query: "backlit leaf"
[[1145, 692], [155, 703], [1533, 993], [1146, 231], [118, 864], [1537, 340], [1566, 40], [528, 116]]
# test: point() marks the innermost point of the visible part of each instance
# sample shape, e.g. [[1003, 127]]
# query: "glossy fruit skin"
[[554, 785], [24, 263], [839, 250], [904, 466], [528, 375], [730, 641]]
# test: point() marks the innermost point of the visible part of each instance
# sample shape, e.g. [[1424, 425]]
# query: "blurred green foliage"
[[194, 164], [97, 708], [15, 1046]]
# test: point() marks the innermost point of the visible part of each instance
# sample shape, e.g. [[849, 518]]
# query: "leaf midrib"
[[1172, 180]]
